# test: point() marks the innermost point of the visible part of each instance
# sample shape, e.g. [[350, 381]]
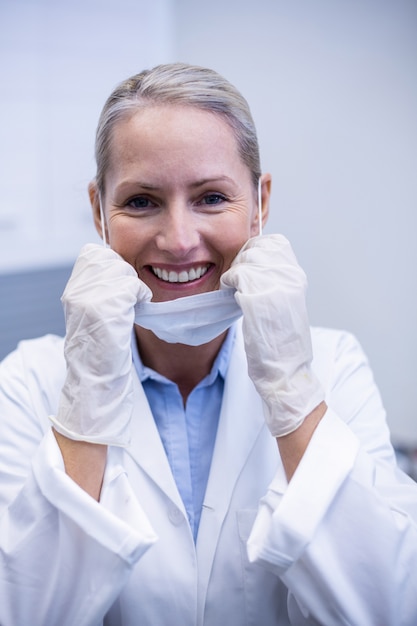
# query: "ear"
[[94, 194], [265, 182]]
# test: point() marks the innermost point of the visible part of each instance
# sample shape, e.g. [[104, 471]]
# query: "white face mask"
[[192, 320]]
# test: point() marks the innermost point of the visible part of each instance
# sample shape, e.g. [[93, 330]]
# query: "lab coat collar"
[[146, 447]]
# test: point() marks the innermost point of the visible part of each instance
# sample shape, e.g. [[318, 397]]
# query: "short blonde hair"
[[178, 83]]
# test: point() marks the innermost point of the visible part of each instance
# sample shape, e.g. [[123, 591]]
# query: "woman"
[[231, 481]]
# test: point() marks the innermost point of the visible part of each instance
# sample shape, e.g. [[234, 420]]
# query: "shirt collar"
[[220, 365]]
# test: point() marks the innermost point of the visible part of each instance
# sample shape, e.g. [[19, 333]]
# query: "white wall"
[[333, 88], [58, 63]]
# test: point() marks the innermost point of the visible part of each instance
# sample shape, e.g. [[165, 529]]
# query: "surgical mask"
[[192, 320]]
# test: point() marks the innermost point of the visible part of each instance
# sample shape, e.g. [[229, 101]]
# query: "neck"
[[184, 365]]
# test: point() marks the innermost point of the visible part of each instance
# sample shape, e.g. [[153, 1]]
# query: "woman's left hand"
[[270, 289]]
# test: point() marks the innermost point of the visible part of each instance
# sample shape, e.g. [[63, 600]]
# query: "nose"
[[178, 234]]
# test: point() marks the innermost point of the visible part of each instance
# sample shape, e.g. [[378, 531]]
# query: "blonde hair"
[[178, 83]]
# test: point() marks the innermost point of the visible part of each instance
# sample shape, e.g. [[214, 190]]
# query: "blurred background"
[[333, 89]]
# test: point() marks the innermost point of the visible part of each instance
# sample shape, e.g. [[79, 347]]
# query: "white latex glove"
[[271, 293], [96, 399]]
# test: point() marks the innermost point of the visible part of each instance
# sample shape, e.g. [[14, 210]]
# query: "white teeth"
[[181, 277]]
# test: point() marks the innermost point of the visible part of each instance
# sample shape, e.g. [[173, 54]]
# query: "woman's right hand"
[[96, 399]]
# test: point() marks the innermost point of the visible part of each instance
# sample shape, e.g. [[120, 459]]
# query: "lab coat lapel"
[[241, 420], [146, 446]]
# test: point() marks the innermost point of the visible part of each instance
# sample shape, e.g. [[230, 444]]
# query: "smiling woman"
[[209, 469], [177, 199]]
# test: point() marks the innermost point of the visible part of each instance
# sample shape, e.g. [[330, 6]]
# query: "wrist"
[[293, 445], [84, 462]]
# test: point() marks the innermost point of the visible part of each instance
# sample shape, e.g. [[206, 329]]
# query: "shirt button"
[[175, 516]]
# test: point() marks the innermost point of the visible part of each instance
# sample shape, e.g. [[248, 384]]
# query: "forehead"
[[152, 122], [172, 131]]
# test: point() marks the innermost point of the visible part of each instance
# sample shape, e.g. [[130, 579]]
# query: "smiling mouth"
[[185, 276]]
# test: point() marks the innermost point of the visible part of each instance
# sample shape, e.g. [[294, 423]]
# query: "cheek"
[[231, 237], [239, 231], [125, 237]]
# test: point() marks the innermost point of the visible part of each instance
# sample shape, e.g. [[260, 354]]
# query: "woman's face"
[[179, 201]]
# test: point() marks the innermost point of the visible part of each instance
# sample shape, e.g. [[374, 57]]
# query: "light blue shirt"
[[188, 433]]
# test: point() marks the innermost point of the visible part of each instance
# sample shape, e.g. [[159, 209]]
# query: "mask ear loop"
[[103, 228], [260, 206]]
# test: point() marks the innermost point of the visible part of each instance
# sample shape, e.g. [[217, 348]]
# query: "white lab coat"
[[338, 545]]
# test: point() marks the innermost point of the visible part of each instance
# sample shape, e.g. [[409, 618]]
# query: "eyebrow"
[[193, 185]]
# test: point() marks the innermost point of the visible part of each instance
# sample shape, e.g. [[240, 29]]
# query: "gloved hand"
[[96, 400], [271, 293]]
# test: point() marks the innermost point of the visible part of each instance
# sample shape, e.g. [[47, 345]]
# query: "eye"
[[213, 199], [140, 202]]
